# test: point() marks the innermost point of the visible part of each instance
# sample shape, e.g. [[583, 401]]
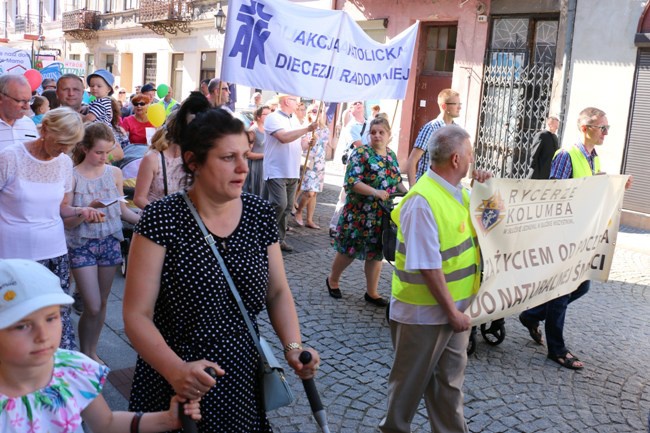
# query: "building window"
[[150, 63], [90, 63], [208, 64], [441, 50], [131, 4], [74, 56], [110, 61], [177, 74]]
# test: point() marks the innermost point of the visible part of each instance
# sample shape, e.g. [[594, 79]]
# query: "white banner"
[[541, 238], [315, 53]]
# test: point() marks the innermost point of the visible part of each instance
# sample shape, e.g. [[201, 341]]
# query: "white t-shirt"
[[22, 131], [31, 192], [281, 160], [422, 244]]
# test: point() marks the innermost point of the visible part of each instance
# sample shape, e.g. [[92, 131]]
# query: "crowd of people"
[[64, 165]]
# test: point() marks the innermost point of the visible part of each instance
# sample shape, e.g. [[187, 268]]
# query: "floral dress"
[[315, 174], [76, 381], [359, 228]]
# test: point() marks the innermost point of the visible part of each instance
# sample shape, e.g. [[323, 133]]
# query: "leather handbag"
[[276, 392]]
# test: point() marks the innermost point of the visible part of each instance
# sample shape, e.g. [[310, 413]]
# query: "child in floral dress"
[[47, 389]]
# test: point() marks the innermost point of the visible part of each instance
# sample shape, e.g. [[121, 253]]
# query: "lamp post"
[[220, 20]]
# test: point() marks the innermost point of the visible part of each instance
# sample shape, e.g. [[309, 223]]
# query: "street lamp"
[[220, 20]]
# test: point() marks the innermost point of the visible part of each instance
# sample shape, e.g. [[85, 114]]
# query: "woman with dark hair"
[[121, 136], [179, 312], [255, 180], [136, 125]]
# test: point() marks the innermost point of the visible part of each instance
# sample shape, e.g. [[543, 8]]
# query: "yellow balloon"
[[156, 114]]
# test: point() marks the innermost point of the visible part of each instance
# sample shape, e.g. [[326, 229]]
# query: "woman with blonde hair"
[[161, 170], [314, 177], [34, 177]]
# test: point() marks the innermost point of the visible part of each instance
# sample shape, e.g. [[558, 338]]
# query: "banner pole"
[[312, 141]]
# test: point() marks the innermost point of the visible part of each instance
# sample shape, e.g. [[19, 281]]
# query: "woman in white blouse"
[[34, 177]]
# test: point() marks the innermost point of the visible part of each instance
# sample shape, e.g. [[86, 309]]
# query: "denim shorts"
[[96, 252]]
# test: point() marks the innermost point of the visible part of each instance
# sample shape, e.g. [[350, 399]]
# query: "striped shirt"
[[422, 143], [102, 110], [561, 167], [22, 131]]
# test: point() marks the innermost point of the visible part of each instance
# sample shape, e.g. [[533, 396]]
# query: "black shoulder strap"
[[164, 170]]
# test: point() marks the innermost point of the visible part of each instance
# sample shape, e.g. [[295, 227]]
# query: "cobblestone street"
[[511, 387]]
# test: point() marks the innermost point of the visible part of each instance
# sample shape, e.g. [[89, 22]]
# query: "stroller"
[[129, 165], [493, 332]]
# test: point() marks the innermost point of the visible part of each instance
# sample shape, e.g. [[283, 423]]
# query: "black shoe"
[[379, 302], [533, 329], [334, 293]]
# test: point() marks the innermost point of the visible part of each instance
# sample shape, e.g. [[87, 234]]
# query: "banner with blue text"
[[541, 238], [315, 53]]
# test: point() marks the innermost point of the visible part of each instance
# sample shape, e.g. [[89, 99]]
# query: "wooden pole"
[[311, 145]]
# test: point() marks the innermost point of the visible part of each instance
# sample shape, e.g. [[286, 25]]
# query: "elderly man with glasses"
[[579, 160], [15, 125], [282, 154], [418, 161]]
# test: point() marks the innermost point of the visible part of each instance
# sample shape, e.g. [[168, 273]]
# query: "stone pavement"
[[511, 387]]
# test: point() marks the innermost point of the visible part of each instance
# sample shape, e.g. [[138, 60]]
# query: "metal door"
[[436, 63], [517, 83]]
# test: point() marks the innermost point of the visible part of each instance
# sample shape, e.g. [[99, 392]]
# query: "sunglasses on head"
[[139, 104]]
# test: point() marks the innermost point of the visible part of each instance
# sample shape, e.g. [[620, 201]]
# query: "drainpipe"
[[566, 62]]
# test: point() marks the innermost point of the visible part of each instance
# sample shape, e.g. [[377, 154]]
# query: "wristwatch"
[[292, 346]]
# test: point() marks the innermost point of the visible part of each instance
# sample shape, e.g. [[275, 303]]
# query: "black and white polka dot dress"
[[198, 316]]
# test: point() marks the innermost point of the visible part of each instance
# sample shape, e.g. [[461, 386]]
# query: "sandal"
[[533, 330], [334, 292], [567, 361]]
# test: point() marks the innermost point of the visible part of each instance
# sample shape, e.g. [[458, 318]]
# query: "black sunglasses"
[[139, 104]]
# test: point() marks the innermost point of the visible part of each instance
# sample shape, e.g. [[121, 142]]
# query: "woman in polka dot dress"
[[179, 312]]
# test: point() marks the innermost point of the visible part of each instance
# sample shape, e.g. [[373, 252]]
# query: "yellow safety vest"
[[458, 247], [171, 105], [580, 164]]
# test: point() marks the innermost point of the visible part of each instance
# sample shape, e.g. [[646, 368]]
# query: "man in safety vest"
[[169, 103], [435, 279], [580, 160]]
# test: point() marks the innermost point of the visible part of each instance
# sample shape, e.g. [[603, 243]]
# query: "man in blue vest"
[[580, 160], [436, 277]]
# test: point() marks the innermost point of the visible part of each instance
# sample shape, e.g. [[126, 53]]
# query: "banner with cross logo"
[[321, 54]]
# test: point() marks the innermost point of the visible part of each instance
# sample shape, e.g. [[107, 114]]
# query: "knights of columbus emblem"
[[490, 212]]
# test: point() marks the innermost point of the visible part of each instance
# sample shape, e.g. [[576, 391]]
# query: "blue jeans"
[[554, 313]]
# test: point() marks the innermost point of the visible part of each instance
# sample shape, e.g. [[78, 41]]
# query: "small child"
[[100, 83], [43, 388], [40, 106]]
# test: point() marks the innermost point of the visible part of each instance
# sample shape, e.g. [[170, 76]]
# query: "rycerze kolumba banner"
[[316, 53], [541, 238]]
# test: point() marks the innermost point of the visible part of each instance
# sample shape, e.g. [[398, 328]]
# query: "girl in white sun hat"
[[44, 388]]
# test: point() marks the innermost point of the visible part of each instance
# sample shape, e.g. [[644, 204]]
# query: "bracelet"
[[291, 346], [135, 422]]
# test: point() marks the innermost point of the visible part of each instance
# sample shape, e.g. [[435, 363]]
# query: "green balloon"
[[162, 90]]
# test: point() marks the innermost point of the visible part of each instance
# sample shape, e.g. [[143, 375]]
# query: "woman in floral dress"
[[372, 175], [312, 182]]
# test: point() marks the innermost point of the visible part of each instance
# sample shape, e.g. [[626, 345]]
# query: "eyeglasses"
[[454, 103], [314, 111], [225, 88], [603, 128], [20, 101], [139, 104], [121, 93], [357, 103]]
